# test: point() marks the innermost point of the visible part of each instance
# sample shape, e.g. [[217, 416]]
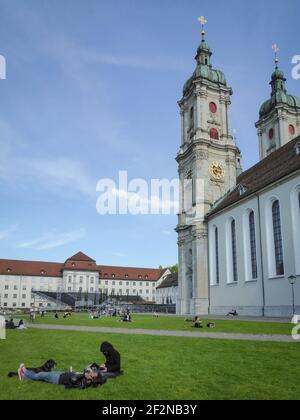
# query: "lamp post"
[[292, 281]]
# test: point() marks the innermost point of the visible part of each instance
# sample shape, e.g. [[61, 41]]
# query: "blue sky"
[[92, 88]]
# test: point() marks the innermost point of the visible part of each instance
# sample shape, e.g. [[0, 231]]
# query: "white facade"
[[16, 290], [167, 295], [270, 293]]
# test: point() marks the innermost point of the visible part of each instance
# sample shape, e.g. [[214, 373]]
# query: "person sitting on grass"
[[112, 366], [91, 377], [211, 325], [21, 325], [197, 323], [232, 313], [10, 325], [56, 315]]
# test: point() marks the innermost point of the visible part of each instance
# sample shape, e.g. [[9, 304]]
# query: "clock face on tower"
[[216, 170]]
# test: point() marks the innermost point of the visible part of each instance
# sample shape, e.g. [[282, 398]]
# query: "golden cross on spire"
[[203, 22], [276, 51]]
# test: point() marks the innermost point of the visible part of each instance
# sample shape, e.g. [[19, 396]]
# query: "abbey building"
[[238, 232]]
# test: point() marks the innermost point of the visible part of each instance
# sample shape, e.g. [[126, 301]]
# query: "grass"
[[155, 368], [171, 323]]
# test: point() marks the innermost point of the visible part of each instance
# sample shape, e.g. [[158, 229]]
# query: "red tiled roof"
[[80, 256], [274, 167], [80, 262], [120, 273], [30, 268], [49, 269]]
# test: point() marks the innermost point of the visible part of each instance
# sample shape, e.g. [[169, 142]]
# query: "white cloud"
[[5, 233], [52, 240], [64, 173], [61, 174]]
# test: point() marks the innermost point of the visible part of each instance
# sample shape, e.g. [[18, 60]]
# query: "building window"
[[23, 296], [214, 134], [6, 287], [271, 133], [253, 245], [234, 254], [15, 296], [127, 283], [120, 283], [278, 246], [295, 209], [69, 289], [106, 283], [192, 117], [141, 292], [113, 283], [213, 107], [91, 289], [217, 256], [23, 305], [134, 283], [292, 130]]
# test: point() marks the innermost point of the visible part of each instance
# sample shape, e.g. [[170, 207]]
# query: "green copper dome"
[[279, 95], [206, 72], [204, 68]]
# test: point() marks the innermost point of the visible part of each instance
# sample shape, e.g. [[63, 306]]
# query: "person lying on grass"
[[112, 366], [91, 377]]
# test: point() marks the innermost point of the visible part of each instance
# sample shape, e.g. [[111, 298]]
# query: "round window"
[[292, 130], [213, 107]]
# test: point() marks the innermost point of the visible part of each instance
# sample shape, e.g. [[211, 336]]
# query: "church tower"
[[209, 162], [279, 116]]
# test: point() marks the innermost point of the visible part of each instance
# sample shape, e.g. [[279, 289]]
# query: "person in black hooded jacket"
[[112, 365]]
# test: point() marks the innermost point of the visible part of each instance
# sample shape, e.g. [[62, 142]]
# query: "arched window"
[[217, 264], [253, 245], [214, 134], [214, 256], [234, 254], [295, 210], [192, 117], [278, 246]]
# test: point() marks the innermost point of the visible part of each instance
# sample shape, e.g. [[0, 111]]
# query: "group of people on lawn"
[[10, 325], [93, 375]]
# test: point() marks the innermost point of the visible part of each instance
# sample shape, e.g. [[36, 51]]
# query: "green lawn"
[[156, 367], [171, 323]]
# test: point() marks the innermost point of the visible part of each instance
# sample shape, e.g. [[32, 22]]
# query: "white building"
[[78, 275], [167, 291], [239, 240]]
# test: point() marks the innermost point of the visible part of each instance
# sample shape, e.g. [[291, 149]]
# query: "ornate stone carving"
[[201, 154], [200, 233]]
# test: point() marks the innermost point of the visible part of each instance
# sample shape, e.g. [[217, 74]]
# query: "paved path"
[[167, 333]]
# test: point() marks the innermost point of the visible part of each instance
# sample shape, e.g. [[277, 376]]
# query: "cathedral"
[[238, 232]]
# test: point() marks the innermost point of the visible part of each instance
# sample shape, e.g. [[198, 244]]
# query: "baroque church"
[[238, 232]]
